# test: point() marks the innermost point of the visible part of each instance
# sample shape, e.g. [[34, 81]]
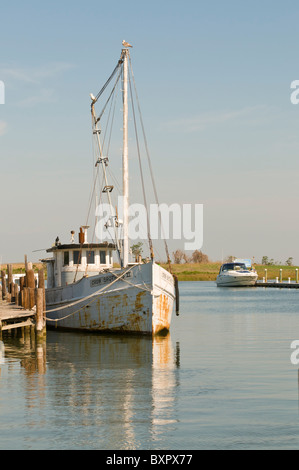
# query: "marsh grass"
[[209, 271]]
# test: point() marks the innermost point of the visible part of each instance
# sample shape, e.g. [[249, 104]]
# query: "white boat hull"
[[139, 302], [236, 280]]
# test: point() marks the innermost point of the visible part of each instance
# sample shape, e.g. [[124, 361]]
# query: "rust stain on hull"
[[125, 313], [122, 313], [123, 309], [163, 314]]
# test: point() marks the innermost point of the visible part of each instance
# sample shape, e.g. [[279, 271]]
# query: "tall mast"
[[125, 163]]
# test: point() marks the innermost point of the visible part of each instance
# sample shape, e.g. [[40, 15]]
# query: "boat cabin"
[[233, 267], [71, 262]]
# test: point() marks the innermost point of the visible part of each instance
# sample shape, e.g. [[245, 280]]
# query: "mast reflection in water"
[[105, 392]]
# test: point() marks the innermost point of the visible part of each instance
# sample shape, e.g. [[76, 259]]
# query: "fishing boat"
[[236, 274], [85, 291]]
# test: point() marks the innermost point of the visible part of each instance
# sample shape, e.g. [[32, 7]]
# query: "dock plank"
[[10, 312], [278, 285], [22, 324]]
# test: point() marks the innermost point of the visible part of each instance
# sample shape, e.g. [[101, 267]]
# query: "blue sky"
[[214, 82]]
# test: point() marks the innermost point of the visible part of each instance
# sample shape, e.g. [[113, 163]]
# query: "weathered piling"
[[26, 262], [30, 279], [40, 325], [41, 284], [17, 308], [16, 294], [9, 278], [32, 301], [25, 298], [22, 285], [3, 280], [30, 285]]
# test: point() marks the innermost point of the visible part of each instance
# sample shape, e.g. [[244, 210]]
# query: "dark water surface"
[[222, 379]]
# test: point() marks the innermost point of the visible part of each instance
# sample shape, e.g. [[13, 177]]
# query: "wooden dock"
[[13, 316], [278, 285], [24, 305]]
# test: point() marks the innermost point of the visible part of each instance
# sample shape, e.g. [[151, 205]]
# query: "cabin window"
[[77, 257], [66, 258], [103, 257], [90, 257]]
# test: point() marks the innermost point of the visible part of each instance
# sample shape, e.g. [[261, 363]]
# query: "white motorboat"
[[236, 275]]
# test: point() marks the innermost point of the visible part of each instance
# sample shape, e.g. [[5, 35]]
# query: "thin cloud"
[[42, 96], [202, 121], [33, 85], [36, 74]]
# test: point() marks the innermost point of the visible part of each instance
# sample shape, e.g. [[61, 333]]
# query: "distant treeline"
[[197, 256]]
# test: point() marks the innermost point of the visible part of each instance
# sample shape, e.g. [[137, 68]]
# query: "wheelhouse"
[[71, 262]]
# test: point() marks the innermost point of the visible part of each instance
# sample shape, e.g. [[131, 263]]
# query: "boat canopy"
[[233, 266]]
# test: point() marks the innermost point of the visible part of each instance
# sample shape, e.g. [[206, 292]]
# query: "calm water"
[[222, 379]]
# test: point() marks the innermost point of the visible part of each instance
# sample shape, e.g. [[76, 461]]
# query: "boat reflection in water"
[[22, 346], [120, 389]]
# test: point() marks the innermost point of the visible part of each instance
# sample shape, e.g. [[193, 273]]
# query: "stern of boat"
[[163, 299]]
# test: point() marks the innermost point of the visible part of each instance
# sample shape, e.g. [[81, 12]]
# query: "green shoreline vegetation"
[[209, 271], [198, 271]]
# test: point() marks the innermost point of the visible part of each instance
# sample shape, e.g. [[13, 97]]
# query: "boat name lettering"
[[105, 279]]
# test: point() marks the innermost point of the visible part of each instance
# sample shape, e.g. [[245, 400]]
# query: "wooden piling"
[[25, 298], [22, 282], [41, 284], [13, 297], [22, 320], [31, 297], [22, 285], [3, 279], [26, 262], [16, 294], [40, 326], [9, 278], [30, 278]]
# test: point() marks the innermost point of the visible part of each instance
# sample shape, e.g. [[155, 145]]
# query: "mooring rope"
[[94, 296]]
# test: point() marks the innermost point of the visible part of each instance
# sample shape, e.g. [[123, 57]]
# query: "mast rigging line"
[[141, 175], [100, 148], [95, 121], [120, 67], [150, 167], [108, 81], [109, 97]]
